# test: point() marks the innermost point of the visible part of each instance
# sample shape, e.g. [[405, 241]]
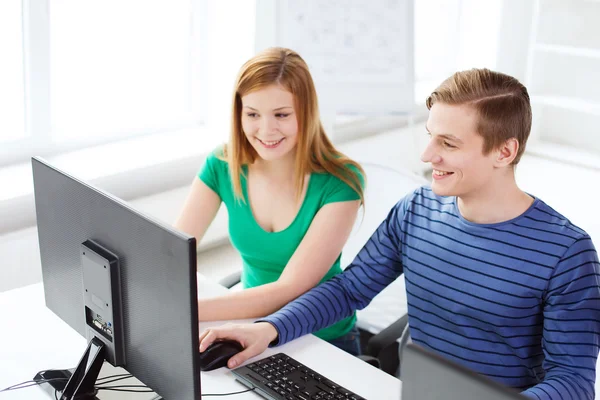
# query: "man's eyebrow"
[[446, 136], [451, 137]]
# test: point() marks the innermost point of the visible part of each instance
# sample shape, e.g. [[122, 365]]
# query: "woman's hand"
[[255, 339]]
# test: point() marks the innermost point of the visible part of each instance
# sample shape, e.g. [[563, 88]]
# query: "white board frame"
[[351, 94]]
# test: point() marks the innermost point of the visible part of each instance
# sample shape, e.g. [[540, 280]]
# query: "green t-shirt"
[[265, 254]]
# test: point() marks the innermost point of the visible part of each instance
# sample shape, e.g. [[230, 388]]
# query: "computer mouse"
[[217, 354]]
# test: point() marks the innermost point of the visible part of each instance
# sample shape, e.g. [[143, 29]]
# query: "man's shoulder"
[[423, 201], [425, 198], [546, 219]]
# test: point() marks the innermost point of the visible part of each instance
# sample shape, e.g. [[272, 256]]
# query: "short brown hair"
[[501, 101]]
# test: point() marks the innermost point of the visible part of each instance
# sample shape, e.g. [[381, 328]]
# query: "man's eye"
[[451, 146]]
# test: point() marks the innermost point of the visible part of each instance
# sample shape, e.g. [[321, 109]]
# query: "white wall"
[[19, 249]]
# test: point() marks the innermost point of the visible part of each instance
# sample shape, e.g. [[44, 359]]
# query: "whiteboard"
[[360, 53]]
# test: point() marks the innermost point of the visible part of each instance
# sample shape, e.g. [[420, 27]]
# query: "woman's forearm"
[[248, 303]]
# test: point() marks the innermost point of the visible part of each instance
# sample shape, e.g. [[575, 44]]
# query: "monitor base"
[[77, 384]]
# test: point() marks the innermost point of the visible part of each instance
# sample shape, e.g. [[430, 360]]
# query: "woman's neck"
[[282, 170]]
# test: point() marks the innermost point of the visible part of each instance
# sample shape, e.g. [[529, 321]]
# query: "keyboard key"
[[283, 376], [344, 391], [330, 384]]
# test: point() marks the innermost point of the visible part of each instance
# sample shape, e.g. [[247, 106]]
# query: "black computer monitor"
[[121, 279], [426, 375]]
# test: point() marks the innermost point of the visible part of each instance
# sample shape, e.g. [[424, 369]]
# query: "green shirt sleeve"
[[341, 191], [212, 172]]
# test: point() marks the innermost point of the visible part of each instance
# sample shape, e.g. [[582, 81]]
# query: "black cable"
[[106, 380], [13, 387], [19, 386], [114, 376], [116, 379], [224, 394], [123, 386], [119, 388], [116, 389], [227, 394], [30, 383]]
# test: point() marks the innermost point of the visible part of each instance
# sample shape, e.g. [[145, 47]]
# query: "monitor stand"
[[77, 384], [103, 323]]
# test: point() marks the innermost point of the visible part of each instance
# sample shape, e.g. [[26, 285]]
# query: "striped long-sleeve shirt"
[[518, 301]]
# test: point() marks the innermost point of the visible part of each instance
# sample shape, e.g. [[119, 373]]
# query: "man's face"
[[455, 152]]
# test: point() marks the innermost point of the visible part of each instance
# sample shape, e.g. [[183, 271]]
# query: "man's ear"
[[507, 152]]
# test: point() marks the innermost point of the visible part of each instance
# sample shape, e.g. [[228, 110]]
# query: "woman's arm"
[[315, 255], [199, 210]]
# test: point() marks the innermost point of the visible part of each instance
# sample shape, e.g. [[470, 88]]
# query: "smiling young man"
[[495, 278]]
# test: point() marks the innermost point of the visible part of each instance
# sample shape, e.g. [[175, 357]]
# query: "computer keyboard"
[[280, 377]]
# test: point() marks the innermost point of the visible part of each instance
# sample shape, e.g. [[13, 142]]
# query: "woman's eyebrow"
[[275, 109]]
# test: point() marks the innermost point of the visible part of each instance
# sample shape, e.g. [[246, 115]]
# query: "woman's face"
[[269, 122]]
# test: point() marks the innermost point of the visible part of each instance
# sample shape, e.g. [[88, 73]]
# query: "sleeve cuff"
[[278, 328]]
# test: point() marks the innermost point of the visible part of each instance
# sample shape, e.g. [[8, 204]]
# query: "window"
[[12, 94], [81, 73], [119, 68], [453, 35]]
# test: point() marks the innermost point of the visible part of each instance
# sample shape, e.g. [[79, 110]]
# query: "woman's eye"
[[281, 115], [252, 115]]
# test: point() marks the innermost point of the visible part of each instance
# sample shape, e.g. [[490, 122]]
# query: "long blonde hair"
[[501, 101], [315, 152]]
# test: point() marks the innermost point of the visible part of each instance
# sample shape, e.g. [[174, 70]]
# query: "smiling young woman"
[[285, 187]]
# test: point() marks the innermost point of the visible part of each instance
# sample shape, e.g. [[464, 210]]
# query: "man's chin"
[[440, 190]]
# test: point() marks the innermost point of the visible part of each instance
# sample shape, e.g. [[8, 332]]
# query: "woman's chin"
[[272, 154]]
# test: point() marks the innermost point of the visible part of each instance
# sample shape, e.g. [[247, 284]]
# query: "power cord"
[[227, 394], [221, 394], [30, 383], [110, 379]]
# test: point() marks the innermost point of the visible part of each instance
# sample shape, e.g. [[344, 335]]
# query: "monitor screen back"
[[426, 375], [158, 277]]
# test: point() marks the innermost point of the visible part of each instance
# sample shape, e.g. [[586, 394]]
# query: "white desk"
[[32, 339]]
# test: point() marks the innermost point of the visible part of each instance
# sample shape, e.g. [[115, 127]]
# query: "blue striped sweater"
[[518, 301]]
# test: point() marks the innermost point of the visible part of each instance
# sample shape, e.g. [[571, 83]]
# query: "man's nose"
[[430, 154]]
